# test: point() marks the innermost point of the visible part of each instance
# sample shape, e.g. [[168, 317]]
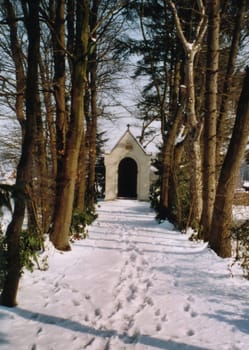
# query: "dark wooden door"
[[127, 178]]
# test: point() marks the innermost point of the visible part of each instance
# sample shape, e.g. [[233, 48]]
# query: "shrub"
[[240, 235], [79, 222], [3, 260], [30, 243]]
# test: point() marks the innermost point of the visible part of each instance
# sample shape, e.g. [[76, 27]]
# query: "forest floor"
[[132, 284]]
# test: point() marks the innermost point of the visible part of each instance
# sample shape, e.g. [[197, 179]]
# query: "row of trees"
[[189, 52], [61, 56], [53, 52]]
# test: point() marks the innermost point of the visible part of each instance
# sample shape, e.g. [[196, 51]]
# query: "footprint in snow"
[[74, 338], [39, 330], [89, 343], [107, 345], [132, 292], [133, 257], [57, 288], [144, 262], [45, 305], [139, 269], [116, 309], [131, 339], [76, 302], [187, 308], [148, 283], [148, 301], [130, 275], [190, 332], [98, 313], [191, 299], [130, 324], [118, 306], [164, 318]]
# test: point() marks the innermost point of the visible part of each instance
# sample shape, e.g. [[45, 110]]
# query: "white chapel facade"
[[127, 168]]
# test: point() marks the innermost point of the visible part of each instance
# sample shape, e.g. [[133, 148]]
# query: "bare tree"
[[23, 177], [211, 110], [59, 234], [220, 239], [194, 123]]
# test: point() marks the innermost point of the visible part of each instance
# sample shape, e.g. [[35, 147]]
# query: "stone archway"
[[127, 178]]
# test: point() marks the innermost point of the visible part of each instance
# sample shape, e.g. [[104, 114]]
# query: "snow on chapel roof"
[[128, 134]]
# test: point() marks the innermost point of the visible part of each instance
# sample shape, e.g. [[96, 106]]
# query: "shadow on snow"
[[78, 327]]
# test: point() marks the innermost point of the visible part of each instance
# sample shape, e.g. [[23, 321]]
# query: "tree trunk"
[[70, 31], [17, 55], [14, 264], [58, 35], [209, 179], [93, 65], [226, 91], [195, 130], [59, 234], [194, 124], [220, 237], [179, 202], [175, 110], [80, 189], [41, 194], [50, 141], [168, 153]]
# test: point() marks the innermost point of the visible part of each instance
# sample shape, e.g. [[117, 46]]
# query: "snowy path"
[[133, 284]]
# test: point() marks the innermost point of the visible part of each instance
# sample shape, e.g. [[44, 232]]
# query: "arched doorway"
[[127, 178]]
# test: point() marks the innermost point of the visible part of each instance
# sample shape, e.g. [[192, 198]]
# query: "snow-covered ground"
[[133, 284]]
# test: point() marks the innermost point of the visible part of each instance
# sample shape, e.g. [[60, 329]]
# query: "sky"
[[132, 284]]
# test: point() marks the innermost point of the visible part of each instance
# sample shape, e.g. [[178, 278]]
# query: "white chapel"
[[127, 168]]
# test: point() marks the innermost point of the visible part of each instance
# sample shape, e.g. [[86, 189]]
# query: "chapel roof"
[[128, 132]]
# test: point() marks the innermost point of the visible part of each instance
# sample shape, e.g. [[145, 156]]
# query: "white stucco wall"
[[127, 147]]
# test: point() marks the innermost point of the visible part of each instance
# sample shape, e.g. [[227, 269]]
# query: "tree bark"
[[194, 124], [57, 11], [80, 188], [195, 130], [14, 264], [226, 90], [17, 55], [168, 133], [50, 141], [168, 153], [220, 238], [210, 124], [59, 234], [93, 65]]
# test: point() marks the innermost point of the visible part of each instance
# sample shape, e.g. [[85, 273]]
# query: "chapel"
[[127, 168]]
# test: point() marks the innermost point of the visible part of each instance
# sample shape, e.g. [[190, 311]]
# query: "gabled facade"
[[127, 170]]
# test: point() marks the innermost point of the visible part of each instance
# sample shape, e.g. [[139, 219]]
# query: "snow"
[[246, 184], [133, 284], [240, 213]]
